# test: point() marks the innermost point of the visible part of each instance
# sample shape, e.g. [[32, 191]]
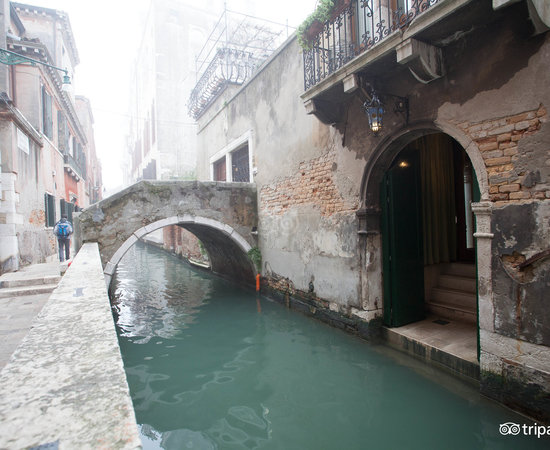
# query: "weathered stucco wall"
[[308, 183], [494, 101]]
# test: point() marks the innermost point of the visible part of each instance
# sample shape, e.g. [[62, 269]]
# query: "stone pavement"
[[22, 296]]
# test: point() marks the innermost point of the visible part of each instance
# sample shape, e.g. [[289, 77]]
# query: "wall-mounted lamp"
[[11, 58], [375, 112]]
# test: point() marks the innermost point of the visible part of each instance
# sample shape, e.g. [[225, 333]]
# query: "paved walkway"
[[22, 296]]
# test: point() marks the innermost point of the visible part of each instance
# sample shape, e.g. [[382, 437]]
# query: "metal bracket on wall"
[[536, 257]]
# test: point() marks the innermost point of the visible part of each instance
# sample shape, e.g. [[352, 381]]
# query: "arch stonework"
[[222, 215], [369, 217], [183, 221]]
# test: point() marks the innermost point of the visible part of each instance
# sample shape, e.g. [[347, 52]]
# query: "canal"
[[210, 365]]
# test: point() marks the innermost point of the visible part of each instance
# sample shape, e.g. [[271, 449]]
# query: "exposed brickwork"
[[498, 140], [182, 242], [313, 184], [37, 217]]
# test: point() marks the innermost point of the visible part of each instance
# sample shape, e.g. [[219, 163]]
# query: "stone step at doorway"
[[454, 296]]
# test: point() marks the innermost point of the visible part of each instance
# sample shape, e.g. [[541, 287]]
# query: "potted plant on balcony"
[[327, 10], [312, 26]]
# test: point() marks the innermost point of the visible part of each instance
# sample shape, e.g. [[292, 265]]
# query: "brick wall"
[[499, 142], [181, 242], [312, 184]]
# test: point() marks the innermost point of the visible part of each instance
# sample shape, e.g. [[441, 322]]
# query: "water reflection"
[[162, 301], [211, 366]]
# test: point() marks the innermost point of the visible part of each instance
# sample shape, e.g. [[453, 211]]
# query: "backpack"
[[63, 229]]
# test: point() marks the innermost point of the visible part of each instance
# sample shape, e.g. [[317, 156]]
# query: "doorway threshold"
[[450, 344]]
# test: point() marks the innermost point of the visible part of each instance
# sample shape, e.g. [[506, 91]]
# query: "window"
[[62, 132], [153, 124], [150, 172], [240, 170], [67, 208], [49, 209], [47, 119], [23, 141], [219, 170], [234, 161]]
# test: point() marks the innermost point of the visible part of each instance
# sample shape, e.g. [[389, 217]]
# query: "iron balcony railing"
[[356, 26], [79, 168], [229, 66]]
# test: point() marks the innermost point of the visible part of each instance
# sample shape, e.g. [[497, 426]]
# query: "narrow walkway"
[[22, 296], [446, 342]]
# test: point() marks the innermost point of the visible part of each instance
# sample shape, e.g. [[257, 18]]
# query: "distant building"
[[180, 40], [162, 135], [189, 56], [94, 181], [46, 150]]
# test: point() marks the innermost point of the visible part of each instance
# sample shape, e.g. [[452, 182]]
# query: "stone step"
[[27, 290], [452, 312], [454, 297], [460, 269], [21, 282], [458, 283]]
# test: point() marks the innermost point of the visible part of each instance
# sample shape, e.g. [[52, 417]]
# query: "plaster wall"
[[28, 94], [306, 236]]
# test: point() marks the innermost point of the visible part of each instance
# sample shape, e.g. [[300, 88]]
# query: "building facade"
[[161, 140], [442, 209], [44, 144]]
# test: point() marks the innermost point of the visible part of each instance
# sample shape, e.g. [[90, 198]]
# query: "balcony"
[[356, 27], [75, 170], [229, 66], [369, 41]]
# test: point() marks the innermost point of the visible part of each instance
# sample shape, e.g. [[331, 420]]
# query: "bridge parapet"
[[221, 215]]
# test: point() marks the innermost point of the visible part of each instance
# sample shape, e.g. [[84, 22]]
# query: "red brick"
[[497, 161], [488, 146], [504, 137], [520, 195], [499, 197], [509, 187]]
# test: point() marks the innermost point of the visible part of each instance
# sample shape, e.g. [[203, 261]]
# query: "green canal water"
[[210, 365]]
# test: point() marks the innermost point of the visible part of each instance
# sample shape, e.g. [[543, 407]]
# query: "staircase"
[[24, 287], [454, 296]]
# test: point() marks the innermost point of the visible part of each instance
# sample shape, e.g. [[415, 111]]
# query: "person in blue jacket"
[[63, 230]]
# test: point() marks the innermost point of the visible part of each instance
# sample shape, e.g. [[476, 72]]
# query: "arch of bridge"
[[221, 215]]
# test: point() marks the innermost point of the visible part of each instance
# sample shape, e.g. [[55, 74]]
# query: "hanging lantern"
[[374, 111]]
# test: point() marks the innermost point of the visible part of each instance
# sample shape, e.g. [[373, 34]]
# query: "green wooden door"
[[402, 242]]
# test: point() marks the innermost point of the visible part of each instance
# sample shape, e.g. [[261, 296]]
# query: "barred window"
[[240, 168]]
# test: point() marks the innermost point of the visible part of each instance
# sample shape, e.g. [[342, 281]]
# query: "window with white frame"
[[234, 162]]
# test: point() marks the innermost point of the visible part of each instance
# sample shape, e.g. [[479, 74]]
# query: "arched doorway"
[[427, 228]]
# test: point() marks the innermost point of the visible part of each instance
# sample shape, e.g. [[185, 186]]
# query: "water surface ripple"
[[211, 366]]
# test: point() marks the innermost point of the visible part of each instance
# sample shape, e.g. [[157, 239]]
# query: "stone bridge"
[[222, 215]]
